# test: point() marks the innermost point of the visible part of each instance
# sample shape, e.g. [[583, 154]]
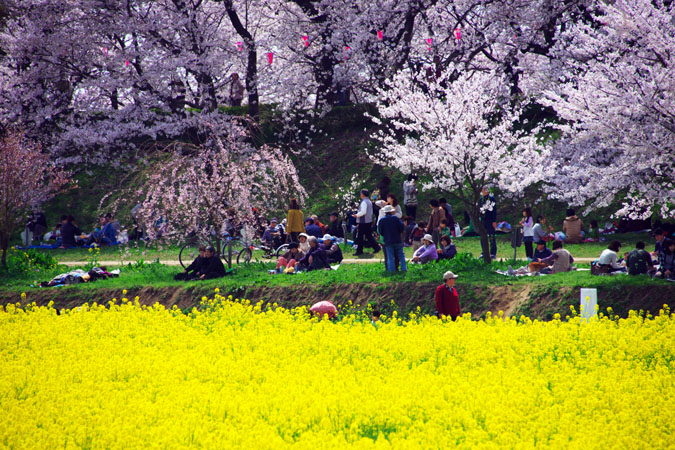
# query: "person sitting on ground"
[[667, 260], [427, 252], [410, 225], [573, 228], [312, 229], [212, 266], [332, 250], [291, 258], [560, 260], [444, 229], [315, 258], [540, 231], [638, 261], [335, 226], [448, 249], [193, 271], [107, 235], [609, 256], [446, 298], [593, 232], [273, 236], [69, 232], [303, 245], [54, 235], [659, 236], [318, 223], [541, 254], [417, 235]]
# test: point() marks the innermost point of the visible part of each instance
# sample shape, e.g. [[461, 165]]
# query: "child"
[[417, 235], [443, 228], [594, 232]]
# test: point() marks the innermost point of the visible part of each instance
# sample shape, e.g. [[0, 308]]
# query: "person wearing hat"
[[390, 228], [446, 297], [303, 243], [212, 266], [489, 218], [316, 257], [273, 235], [335, 226], [312, 229], [332, 250], [427, 252], [289, 259]]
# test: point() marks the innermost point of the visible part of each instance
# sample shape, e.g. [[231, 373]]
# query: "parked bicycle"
[[228, 248]]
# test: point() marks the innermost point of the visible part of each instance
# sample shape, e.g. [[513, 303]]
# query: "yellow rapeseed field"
[[232, 375]]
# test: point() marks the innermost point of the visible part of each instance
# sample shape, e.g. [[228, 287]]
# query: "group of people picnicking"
[[67, 234]]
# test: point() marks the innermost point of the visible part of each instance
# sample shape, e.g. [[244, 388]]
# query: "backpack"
[[637, 263]]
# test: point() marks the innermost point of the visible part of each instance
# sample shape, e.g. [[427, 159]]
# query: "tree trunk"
[[4, 243], [482, 232]]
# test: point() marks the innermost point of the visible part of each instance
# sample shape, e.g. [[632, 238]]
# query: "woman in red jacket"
[[447, 299]]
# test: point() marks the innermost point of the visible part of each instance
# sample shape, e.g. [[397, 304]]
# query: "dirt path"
[[171, 262]]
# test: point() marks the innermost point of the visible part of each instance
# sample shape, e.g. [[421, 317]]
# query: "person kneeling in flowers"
[[447, 299]]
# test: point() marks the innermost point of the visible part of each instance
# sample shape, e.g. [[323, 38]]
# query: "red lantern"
[[270, 57], [126, 63], [380, 34], [430, 42], [306, 40], [458, 34], [347, 50], [240, 46]]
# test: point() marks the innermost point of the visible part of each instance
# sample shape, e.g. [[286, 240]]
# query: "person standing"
[[434, 224], [410, 196], [528, 232], [391, 228], [294, 221], [488, 205], [364, 221], [236, 90], [446, 297]]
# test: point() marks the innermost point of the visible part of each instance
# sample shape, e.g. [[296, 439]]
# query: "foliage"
[[28, 262], [244, 376], [28, 177]]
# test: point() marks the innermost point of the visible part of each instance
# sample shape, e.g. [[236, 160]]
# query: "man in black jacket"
[[69, 231], [213, 267], [193, 271], [335, 226], [316, 257]]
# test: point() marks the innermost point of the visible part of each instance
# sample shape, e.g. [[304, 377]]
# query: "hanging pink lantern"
[[430, 42], [306, 40], [347, 50], [380, 34], [240, 46], [126, 63], [458, 34], [270, 57], [104, 50]]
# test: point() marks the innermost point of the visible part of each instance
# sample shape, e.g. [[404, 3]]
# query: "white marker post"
[[589, 301]]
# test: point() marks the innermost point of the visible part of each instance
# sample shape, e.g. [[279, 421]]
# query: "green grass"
[[471, 271]]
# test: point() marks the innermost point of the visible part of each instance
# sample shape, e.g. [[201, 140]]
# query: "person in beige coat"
[[572, 227]]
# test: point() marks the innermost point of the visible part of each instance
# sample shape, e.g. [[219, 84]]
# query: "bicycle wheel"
[[281, 250], [188, 253], [244, 255]]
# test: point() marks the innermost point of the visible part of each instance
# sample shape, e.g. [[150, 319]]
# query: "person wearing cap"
[[315, 258], [303, 244], [312, 229], [289, 259], [390, 228], [335, 226], [213, 266], [273, 235], [364, 220], [427, 252], [446, 297], [294, 221], [332, 250]]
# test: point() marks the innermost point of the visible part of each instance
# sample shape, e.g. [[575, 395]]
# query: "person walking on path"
[[488, 205], [391, 228], [294, 221], [447, 299], [364, 221], [410, 196]]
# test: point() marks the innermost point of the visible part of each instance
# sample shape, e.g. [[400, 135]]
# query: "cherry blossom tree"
[[613, 83], [27, 178], [459, 137], [199, 188]]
